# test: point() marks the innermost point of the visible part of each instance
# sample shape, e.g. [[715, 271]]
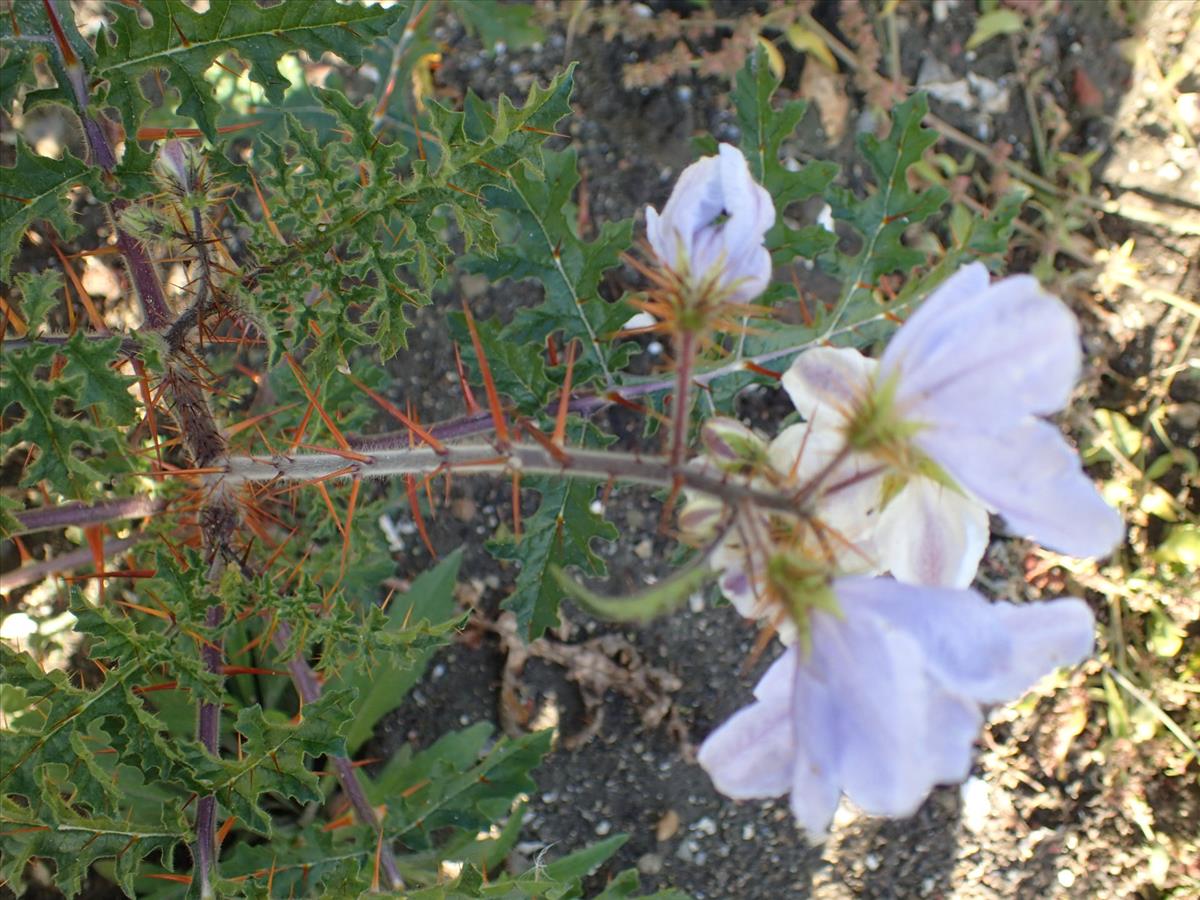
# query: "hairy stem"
[[141, 269], [681, 408], [84, 514], [34, 572], [309, 689], [600, 465], [208, 732]]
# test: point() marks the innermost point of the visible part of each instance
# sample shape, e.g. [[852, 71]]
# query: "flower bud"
[[178, 164], [732, 446]]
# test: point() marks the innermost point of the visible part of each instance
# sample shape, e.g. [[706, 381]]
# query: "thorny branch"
[[205, 444]]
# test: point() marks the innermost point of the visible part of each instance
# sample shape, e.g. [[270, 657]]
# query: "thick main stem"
[[600, 465], [309, 689]]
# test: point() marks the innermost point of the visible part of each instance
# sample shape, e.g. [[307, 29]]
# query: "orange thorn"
[[752, 366], [12, 318], [262, 201], [410, 488], [468, 397], [333, 429], [95, 539], [409, 423], [329, 505], [488, 383], [546, 444], [223, 831], [354, 486], [560, 421]]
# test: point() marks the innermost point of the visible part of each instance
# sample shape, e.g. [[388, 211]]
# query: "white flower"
[[712, 228], [957, 396], [886, 704], [838, 533]]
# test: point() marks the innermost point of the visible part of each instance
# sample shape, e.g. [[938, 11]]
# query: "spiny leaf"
[[34, 189], [458, 784], [560, 534], [72, 842], [54, 436], [541, 243], [882, 217], [183, 44], [520, 373], [40, 293], [275, 753], [763, 129], [381, 241], [102, 387]]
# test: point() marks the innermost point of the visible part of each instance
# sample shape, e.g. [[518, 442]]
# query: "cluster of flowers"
[[889, 655]]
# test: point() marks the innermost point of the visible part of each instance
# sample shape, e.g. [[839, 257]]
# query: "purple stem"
[[309, 689], [34, 572], [208, 731], [141, 269], [82, 514]]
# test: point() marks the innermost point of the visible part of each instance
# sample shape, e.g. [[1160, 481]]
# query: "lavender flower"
[[710, 233], [956, 399], [887, 702]]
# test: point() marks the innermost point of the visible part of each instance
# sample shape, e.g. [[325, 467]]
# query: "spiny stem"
[[309, 689], [599, 465], [208, 732], [682, 406], [141, 269], [36, 571], [83, 514]]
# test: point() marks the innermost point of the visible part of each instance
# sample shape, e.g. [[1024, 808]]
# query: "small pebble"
[[705, 826], [650, 864]]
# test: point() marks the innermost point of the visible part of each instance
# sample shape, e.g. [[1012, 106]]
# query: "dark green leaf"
[[34, 189], [559, 534]]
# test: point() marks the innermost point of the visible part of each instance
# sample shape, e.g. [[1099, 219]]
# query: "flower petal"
[[990, 652], [751, 275], [1008, 352], [1047, 635], [1029, 475], [850, 497], [838, 378], [930, 534], [952, 727], [815, 789], [928, 328], [749, 205], [694, 203], [752, 754], [883, 697]]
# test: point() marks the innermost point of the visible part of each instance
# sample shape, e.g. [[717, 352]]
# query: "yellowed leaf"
[[811, 44], [774, 57]]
